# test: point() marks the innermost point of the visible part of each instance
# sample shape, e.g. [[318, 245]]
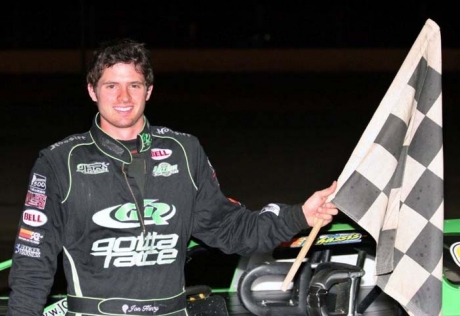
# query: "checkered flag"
[[392, 185]]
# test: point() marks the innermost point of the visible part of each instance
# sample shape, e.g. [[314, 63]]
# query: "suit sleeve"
[[38, 243], [231, 227]]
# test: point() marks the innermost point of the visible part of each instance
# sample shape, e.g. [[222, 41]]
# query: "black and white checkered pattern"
[[392, 185]]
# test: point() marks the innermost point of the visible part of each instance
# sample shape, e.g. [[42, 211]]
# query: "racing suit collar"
[[113, 148]]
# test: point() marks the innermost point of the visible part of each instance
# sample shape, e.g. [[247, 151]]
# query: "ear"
[[149, 92], [92, 92]]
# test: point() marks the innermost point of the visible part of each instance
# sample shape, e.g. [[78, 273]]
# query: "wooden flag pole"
[[303, 252]]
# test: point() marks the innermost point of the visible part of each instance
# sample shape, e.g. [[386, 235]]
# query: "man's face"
[[121, 94]]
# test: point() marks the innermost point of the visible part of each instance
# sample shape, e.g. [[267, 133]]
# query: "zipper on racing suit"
[[140, 212]]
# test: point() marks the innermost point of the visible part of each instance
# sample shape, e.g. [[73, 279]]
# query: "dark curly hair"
[[120, 51]]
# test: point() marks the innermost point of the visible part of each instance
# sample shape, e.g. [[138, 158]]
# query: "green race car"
[[335, 278]]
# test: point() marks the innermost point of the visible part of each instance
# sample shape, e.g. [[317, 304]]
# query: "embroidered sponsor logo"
[[93, 168], [164, 169], [146, 141], [34, 218], [160, 154], [30, 236], [126, 215], [127, 309], [455, 252], [68, 140], [37, 200], [165, 130], [273, 208], [128, 251], [38, 183], [27, 251]]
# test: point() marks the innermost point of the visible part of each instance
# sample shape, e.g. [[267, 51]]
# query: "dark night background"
[[219, 24], [272, 136]]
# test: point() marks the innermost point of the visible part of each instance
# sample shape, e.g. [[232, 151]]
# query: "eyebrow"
[[117, 82]]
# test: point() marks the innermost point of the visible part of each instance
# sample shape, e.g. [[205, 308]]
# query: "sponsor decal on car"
[[326, 239], [342, 238], [455, 252]]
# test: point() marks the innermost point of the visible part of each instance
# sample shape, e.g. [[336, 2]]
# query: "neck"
[[122, 133]]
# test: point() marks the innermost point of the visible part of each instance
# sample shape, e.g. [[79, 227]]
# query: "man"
[[122, 201]]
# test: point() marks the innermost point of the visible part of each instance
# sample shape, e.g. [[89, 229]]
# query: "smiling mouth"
[[123, 109]]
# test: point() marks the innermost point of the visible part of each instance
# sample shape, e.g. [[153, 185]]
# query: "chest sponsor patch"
[[37, 200], [126, 215], [164, 169], [31, 236], [160, 154], [93, 168], [34, 218]]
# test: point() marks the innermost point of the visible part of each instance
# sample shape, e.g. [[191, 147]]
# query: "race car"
[[335, 278]]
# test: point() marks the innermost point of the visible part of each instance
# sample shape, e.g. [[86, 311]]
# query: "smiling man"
[[122, 201]]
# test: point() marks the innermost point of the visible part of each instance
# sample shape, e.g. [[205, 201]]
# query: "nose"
[[124, 95]]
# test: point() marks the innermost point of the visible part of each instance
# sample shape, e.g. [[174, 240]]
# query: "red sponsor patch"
[[37, 200]]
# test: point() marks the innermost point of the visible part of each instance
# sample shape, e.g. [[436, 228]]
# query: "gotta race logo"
[[129, 251], [126, 215]]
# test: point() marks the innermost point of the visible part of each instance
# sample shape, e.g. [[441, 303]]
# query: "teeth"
[[123, 109]]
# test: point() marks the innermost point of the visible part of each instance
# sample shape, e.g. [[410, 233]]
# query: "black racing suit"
[[124, 251]]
